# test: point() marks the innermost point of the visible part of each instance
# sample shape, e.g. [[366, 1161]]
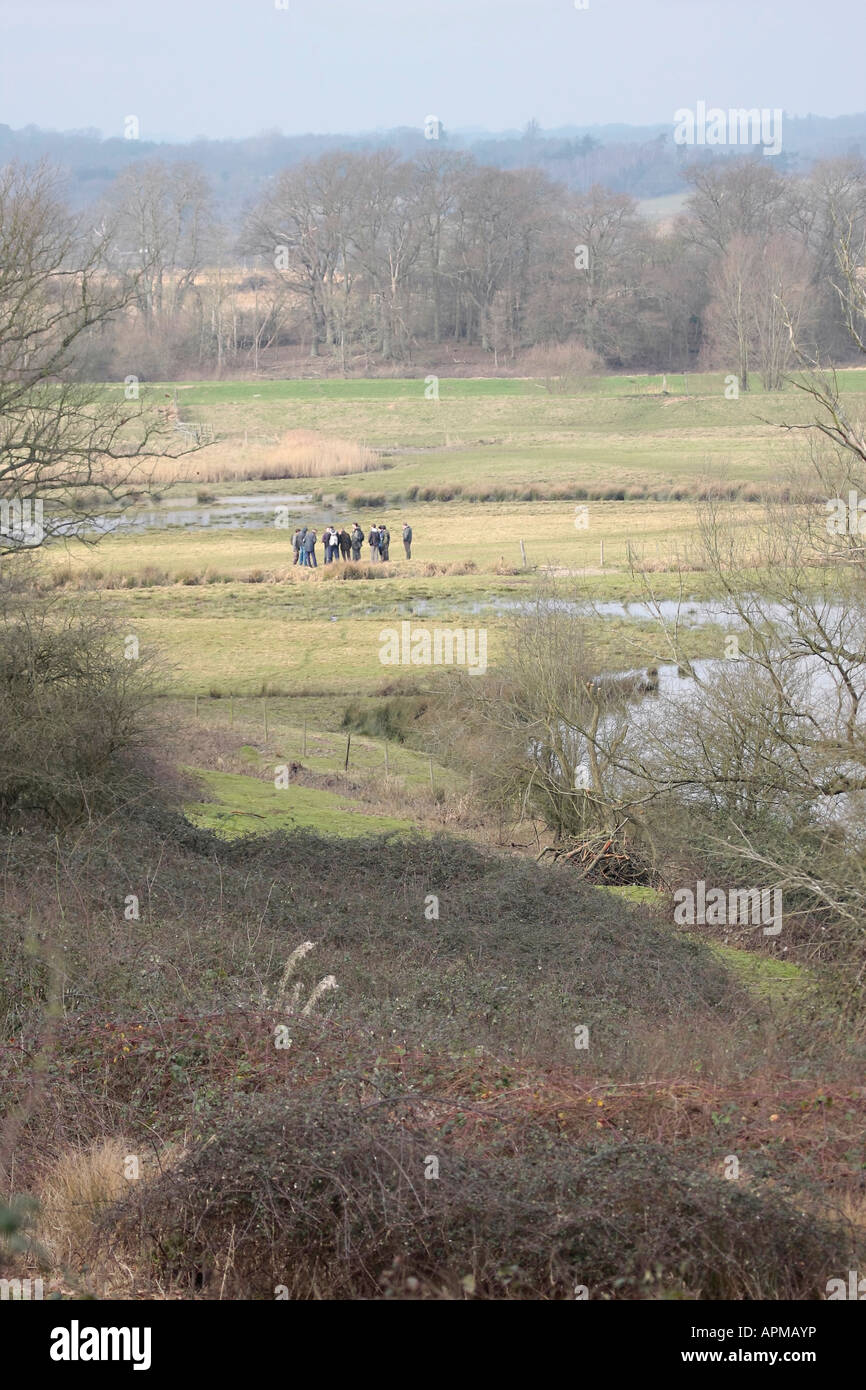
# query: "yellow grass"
[[661, 534], [78, 1187], [299, 454]]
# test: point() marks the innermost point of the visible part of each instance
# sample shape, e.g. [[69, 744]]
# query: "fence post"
[[196, 707], [601, 543], [348, 746], [523, 553]]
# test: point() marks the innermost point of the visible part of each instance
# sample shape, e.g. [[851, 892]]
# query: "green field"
[[244, 806], [325, 638], [232, 616], [636, 432], [266, 771]]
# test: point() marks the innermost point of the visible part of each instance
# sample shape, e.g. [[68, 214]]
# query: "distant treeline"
[[367, 261], [643, 161]]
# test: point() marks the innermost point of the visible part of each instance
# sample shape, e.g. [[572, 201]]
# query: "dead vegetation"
[[299, 453], [449, 1037]]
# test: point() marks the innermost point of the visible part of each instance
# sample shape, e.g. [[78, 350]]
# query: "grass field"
[[260, 765], [639, 432], [444, 534], [247, 639], [233, 616], [244, 806]]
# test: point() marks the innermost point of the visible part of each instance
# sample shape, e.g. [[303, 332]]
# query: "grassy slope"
[[765, 977], [458, 1030], [245, 806]]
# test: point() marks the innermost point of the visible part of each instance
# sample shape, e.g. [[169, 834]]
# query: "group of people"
[[342, 544]]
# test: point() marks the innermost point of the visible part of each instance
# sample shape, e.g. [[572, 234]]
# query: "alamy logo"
[[736, 126], [441, 647], [77, 1343], [21, 1290], [21, 520], [738, 907], [847, 520], [855, 1289]]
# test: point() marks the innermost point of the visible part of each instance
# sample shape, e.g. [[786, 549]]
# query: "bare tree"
[[440, 176], [758, 289], [301, 229], [386, 243], [826, 210], [59, 436], [496, 227], [735, 198], [554, 733], [161, 221], [606, 266]]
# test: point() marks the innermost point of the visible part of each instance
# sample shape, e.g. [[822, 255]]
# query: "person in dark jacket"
[[373, 542], [345, 543], [310, 548], [296, 545], [357, 541], [302, 554], [407, 539], [384, 541], [326, 544]]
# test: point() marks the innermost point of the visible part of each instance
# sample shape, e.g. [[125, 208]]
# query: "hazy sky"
[[236, 67]]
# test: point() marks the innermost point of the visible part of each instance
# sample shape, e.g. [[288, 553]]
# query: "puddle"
[[241, 512], [692, 612]]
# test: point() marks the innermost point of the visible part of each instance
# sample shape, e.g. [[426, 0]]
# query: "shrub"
[[329, 1199], [74, 712], [152, 577]]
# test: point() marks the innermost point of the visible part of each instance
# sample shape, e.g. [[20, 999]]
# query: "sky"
[[233, 68]]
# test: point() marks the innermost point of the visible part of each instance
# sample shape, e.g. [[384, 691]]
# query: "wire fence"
[[340, 752]]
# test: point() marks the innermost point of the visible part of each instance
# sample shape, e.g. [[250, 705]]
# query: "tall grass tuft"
[[298, 454]]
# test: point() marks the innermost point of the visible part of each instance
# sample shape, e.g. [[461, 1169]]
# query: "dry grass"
[[298, 454], [849, 1203], [77, 1188]]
